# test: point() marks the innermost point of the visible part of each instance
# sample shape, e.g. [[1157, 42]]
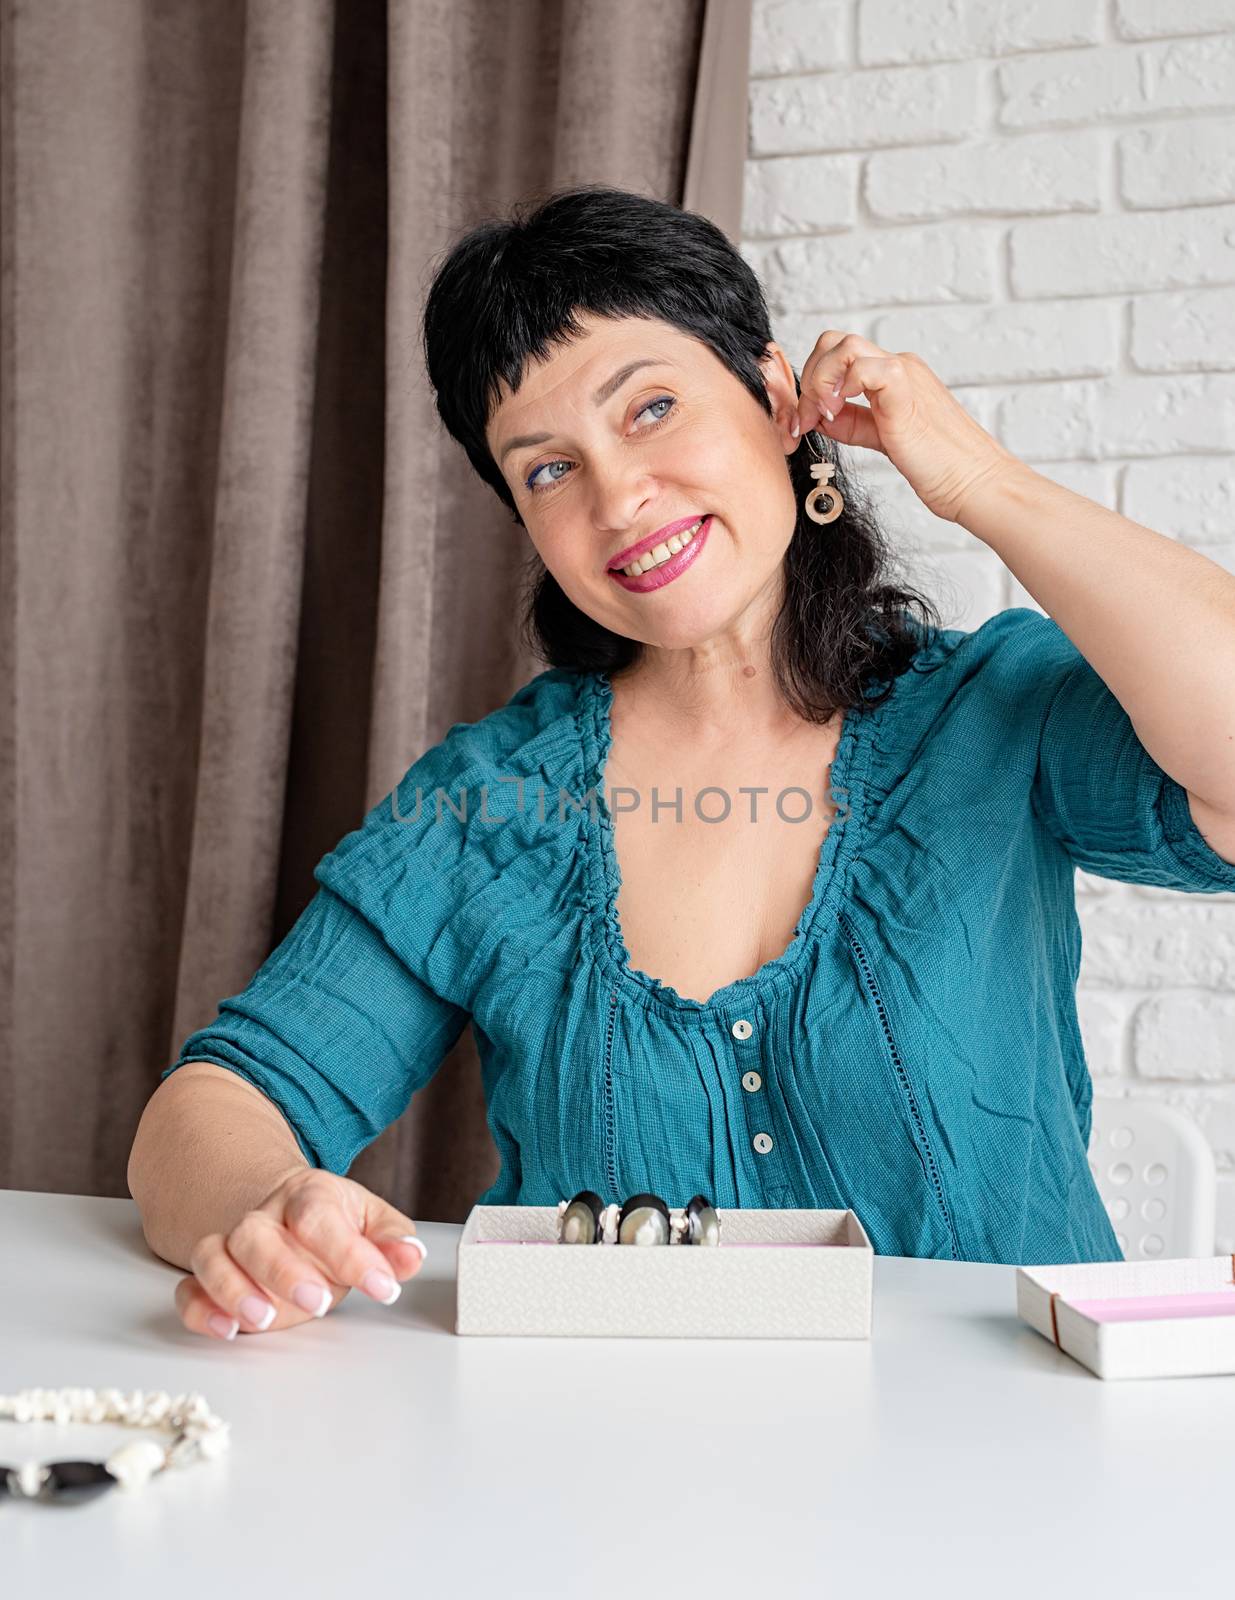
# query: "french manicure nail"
[[259, 1312], [314, 1297], [381, 1286], [828, 414], [412, 1238], [225, 1327]]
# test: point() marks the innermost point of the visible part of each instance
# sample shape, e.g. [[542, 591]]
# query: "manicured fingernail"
[[411, 1238], [381, 1286], [314, 1297], [257, 1311], [794, 429], [224, 1327], [838, 387], [828, 414]]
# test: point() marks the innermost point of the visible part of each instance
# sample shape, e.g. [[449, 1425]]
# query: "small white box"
[[775, 1275], [1149, 1346]]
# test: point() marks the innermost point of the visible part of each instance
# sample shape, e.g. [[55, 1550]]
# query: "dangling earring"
[[821, 471]]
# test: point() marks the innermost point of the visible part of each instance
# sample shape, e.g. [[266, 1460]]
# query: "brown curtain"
[[245, 578]]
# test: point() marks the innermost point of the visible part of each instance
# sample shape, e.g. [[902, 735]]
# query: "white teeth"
[[660, 553]]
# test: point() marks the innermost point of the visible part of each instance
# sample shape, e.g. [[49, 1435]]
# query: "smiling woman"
[[828, 955], [606, 360]]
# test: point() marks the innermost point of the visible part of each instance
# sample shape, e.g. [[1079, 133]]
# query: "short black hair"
[[511, 288]]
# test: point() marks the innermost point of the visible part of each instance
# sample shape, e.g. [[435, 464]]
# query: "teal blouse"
[[914, 1053]]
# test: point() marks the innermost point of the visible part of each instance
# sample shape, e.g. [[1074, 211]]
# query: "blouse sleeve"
[[1102, 795], [348, 1016]]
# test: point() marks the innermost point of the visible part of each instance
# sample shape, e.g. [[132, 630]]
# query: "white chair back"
[[1156, 1174]]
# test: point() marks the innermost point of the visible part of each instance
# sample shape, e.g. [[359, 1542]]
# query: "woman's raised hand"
[[296, 1255]]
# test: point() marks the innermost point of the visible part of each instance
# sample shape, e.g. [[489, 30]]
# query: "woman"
[[764, 888]]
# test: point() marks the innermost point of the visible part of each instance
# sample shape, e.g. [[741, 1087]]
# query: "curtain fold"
[[245, 578]]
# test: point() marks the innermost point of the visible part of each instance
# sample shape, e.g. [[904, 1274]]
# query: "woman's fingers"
[[296, 1256], [257, 1276], [201, 1314], [854, 365], [337, 1230]]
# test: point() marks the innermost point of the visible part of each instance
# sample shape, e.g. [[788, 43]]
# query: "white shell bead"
[[215, 1442], [136, 1463]]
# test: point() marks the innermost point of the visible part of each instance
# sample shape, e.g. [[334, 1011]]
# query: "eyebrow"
[[606, 391]]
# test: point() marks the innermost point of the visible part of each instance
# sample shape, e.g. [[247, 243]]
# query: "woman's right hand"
[[314, 1237]]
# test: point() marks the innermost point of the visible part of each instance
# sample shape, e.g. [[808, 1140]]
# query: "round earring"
[[579, 1220], [822, 471], [644, 1219]]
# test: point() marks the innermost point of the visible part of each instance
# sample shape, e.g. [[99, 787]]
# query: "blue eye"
[[661, 400]]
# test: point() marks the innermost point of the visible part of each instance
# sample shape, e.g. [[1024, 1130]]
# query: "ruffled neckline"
[[850, 767]]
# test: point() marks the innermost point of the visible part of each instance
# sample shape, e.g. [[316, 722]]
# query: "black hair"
[[511, 288]]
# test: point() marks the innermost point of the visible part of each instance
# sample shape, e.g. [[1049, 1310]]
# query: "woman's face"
[[615, 462]]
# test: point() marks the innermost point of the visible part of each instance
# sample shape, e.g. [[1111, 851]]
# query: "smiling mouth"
[[668, 569], [659, 554]]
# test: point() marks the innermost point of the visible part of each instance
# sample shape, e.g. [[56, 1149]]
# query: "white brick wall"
[[1038, 196]]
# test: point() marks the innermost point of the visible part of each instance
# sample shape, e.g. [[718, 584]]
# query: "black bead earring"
[[580, 1222], [702, 1223], [644, 1219]]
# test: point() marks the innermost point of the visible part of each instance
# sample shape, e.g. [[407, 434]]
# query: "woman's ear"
[[782, 388]]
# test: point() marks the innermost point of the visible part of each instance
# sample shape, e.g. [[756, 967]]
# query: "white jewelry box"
[[774, 1275], [1153, 1346]]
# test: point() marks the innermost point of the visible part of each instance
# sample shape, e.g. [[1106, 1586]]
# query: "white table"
[[956, 1453]]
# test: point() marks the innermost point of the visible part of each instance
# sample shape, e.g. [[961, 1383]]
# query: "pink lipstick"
[[658, 577]]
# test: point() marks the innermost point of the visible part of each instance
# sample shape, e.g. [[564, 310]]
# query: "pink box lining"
[[1156, 1307]]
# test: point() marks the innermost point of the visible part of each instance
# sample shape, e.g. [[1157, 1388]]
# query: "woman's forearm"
[[208, 1148], [1153, 618]]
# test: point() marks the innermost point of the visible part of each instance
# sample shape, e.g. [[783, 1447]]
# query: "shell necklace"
[[198, 1435]]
